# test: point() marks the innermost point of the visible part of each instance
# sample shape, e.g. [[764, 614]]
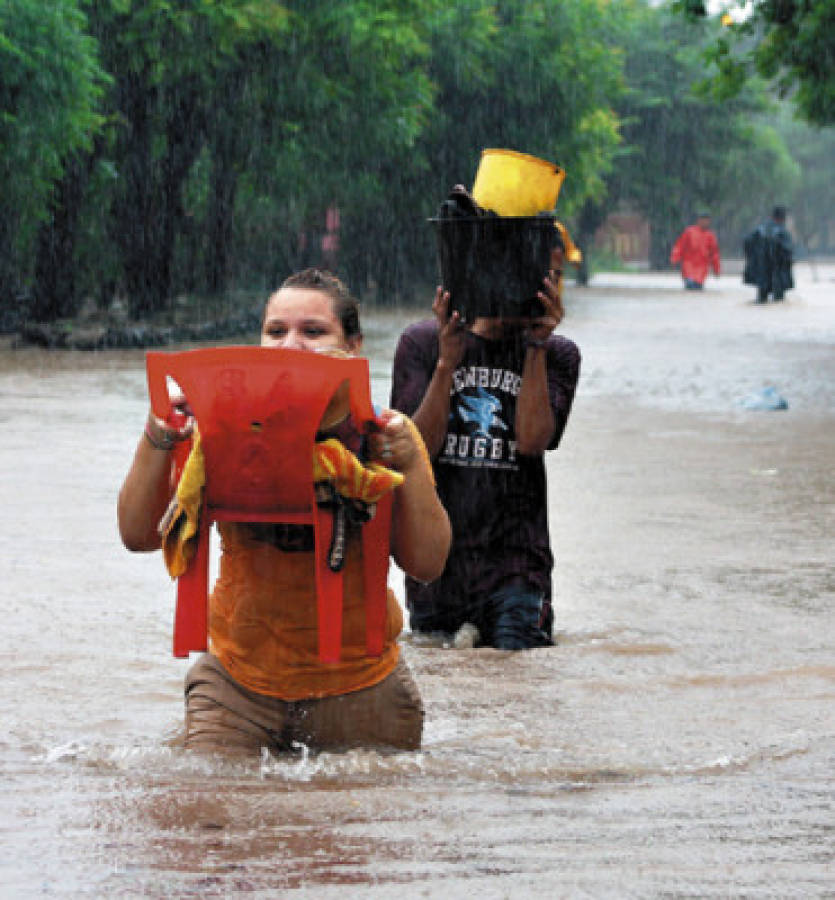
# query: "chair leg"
[[328, 591], [191, 617]]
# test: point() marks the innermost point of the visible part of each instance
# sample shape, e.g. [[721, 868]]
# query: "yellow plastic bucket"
[[516, 184]]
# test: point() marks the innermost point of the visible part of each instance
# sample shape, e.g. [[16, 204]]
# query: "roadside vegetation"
[[152, 150]]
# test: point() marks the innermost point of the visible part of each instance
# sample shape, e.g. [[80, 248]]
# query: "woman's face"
[[304, 319]]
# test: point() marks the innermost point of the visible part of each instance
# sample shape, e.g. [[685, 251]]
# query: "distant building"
[[626, 235]]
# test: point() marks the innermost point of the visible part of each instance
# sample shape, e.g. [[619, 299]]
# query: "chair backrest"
[[258, 410]]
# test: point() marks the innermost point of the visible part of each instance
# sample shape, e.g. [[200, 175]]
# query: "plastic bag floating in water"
[[766, 399]]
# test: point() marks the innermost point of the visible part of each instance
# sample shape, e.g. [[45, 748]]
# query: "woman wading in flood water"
[[261, 683]]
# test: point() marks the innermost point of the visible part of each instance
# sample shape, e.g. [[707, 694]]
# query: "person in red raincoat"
[[697, 251]]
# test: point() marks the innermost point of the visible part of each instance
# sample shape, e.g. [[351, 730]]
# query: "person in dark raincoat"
[[769, 253]]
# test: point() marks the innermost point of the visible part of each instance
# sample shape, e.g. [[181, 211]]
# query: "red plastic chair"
[[258, 410]]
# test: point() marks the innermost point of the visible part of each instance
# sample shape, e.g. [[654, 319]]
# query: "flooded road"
[[679, 740]]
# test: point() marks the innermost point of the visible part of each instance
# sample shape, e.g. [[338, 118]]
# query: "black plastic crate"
[[494, 266]]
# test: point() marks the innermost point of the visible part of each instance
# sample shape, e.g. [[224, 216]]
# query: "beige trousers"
[[221, 715]]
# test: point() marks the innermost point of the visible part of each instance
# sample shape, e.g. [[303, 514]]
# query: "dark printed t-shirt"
[[496, 499]]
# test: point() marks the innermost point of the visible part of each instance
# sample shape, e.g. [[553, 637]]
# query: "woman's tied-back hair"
[[345, 306]]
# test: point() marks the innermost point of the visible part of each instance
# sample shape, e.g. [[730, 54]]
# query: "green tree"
[[173, 66], [811, 198], [536, 77], [234, 125], [50, 85], [787, 42], [684, 150], [340, 108], [548, 86]]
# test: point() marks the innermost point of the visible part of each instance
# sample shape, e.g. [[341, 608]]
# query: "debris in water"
[[766, 399]]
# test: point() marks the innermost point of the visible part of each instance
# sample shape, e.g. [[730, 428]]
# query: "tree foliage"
[[341, 106], [179, 73], [788, 42], [811, 196], [683, 151], [538, 77], [50, 85], [154, 147]]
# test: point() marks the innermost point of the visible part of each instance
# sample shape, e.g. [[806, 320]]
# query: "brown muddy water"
[[678, 742]]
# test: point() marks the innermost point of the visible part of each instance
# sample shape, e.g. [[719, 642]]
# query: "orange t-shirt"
[[263, 620]]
